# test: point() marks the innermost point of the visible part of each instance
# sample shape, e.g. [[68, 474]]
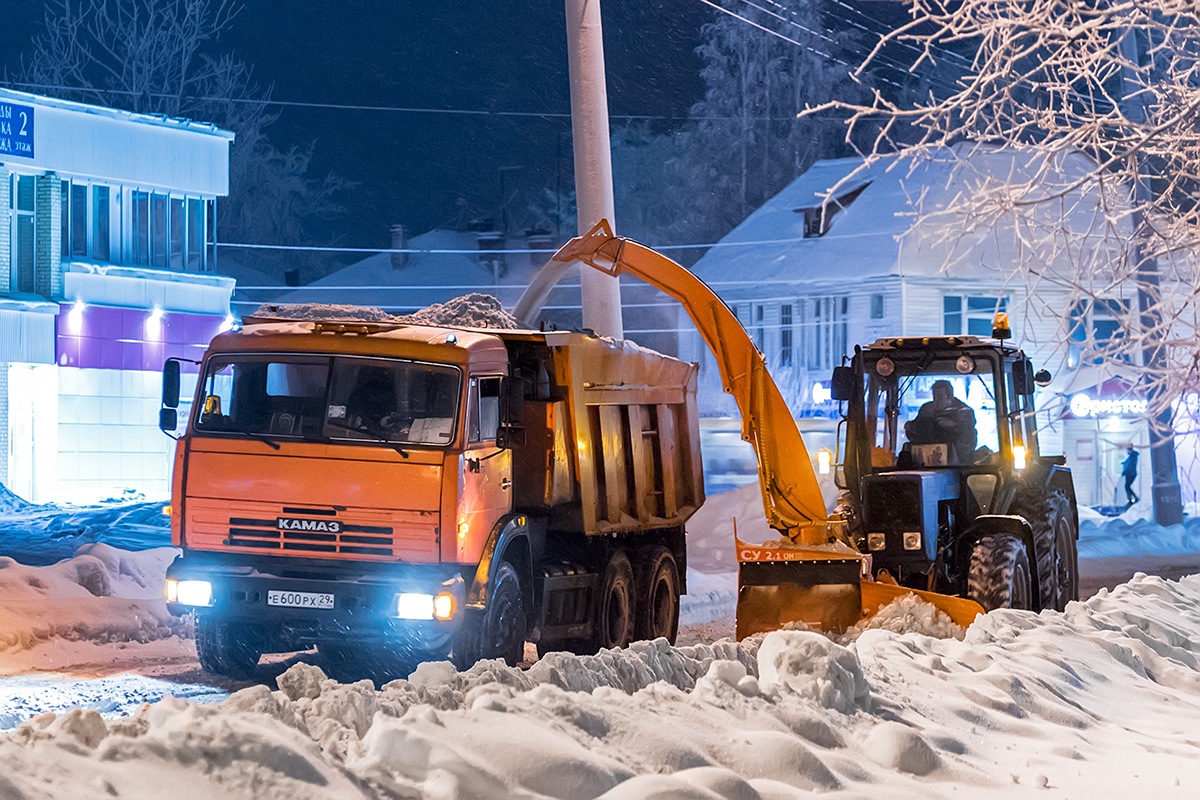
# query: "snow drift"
[[1101, 700]]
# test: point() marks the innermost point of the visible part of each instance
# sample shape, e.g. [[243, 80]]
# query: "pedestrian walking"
[[1129, 473]]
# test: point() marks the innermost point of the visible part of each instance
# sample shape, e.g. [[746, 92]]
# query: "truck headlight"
[[412, 605], [912, 540], [191, 593], [876, 541]]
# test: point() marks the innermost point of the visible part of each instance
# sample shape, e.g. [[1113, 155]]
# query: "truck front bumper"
[[296, 603]]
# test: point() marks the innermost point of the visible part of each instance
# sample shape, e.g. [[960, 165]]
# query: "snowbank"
[[102, 595], [1101, 700]]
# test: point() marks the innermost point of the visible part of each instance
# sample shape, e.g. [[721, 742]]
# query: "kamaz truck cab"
[[945, 482]]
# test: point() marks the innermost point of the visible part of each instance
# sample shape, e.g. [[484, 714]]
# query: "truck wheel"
[[656, 612], [999, 576], [499, 630], [225, 648], [1054, 535], [614, 605]]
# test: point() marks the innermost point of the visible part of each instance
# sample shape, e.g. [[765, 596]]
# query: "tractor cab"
[[940, 451]]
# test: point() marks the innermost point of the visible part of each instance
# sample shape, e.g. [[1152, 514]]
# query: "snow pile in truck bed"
[[473, 310], [102, 595], [1102, 700]]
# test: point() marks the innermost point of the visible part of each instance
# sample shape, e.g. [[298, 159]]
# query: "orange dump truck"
[[395, 488]]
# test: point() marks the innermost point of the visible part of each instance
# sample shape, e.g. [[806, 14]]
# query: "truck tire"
[[656, 586], [498, 631], [999, 576], [614, 606], [1054, 534], [226, 648]]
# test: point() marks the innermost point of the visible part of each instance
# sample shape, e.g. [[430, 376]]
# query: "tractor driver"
[[945, 420]]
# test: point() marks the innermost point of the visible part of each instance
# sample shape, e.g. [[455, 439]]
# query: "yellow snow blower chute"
[[813, 574]]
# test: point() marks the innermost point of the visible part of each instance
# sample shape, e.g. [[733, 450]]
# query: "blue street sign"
[[16, 130]]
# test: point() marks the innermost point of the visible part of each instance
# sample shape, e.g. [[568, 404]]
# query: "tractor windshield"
[[932, 413]]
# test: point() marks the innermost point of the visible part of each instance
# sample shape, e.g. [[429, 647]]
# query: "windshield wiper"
[[365, 431], [260, 437]]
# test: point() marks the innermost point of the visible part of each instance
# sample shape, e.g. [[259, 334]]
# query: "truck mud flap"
[[824, 593]]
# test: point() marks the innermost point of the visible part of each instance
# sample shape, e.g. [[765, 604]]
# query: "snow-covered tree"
[[1116, 81], [163, 57]]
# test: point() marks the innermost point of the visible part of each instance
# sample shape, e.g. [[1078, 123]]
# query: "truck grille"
[[368, 540], [360, 534]]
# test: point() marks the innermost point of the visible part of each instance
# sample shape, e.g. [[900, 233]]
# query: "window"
[[759, 330], [23, 276], [483, 409], [195, 234], [876, 306], [971, 315], [817, 219], [825, 331], [158, 230], [100, 223], [177, 238], [785, 335], [1098, 328], [141, 228], [168, 232]]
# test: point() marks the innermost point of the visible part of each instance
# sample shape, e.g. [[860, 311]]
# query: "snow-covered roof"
[[446, 265], [872, 232], [161, 120]]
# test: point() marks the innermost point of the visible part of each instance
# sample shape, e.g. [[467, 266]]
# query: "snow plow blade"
[[822, 588], [960, 610]]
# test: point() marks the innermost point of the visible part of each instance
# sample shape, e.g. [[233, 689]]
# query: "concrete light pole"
[[593, 156]]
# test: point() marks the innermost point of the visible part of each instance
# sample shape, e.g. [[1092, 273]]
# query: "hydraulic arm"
[[818, 577]]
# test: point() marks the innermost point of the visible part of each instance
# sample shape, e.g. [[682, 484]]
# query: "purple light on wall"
[[100, 337]]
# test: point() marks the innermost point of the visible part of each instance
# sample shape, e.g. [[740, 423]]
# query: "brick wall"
[[48, 280], [5, 230]]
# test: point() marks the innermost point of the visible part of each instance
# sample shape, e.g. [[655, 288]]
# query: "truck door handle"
[[505, 483]]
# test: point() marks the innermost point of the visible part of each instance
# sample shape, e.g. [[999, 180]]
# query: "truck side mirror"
[[168, 418], [170, 385], [842, 385], [510, 436], [1023, 380], [1042, 377]]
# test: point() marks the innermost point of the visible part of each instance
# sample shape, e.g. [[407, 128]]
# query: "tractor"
[[943, 482]]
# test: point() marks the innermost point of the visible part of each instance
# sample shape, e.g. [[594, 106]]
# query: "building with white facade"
[[811, 280], [104, 272]]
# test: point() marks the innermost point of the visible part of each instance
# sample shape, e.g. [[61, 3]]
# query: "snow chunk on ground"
[[812, 666]]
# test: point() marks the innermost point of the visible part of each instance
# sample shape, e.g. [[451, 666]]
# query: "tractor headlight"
[[1018, 457], [912, 540], [190, 593], [876, 541]]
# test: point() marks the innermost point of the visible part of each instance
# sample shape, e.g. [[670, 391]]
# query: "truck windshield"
[[941, 415], [312, 397]]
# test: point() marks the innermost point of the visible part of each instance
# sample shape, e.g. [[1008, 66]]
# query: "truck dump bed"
[[615, 447]]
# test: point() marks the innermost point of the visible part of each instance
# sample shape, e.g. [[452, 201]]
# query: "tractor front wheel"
[[999, 575]]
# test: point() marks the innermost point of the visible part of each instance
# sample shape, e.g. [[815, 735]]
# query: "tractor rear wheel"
[[999, 575], [1055, 535]]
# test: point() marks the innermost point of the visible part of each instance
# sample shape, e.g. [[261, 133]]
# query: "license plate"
[[300, 599]]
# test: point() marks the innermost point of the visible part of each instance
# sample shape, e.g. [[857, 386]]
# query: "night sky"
[[427, 170]]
